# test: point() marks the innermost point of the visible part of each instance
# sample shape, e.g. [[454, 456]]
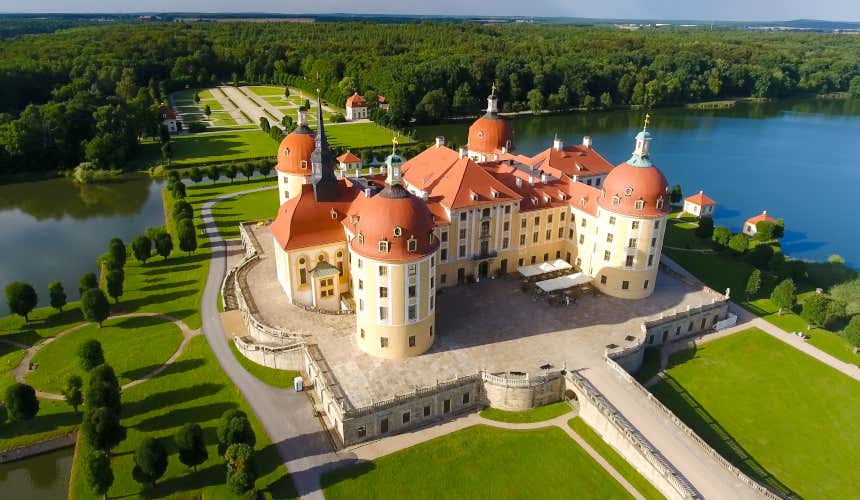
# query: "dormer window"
[[616, 200], [659, 202], [333, 214], [398, 231], [361, 239], [474, 196], [495, 193], [383, 246], [286, 151], [412, 244], [640, 204], [304, 164], [480, 134], [582, 202]]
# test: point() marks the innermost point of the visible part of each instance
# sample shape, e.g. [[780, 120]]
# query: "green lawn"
[[363, 135], [209, 148], [479, 462], [775, 412], [194, 389], [132, 346], [615, 460], [271, 376], [267, 90], [249, 207], [44, 322], [539, 414]]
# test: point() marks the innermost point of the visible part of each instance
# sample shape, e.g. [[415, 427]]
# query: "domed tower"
[[490, 133], [393, 254], [634, 204], [294, 159]]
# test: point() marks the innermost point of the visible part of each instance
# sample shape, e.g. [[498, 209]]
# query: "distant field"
[[362, 135], [208, 148], [266, 90], [776, 413]]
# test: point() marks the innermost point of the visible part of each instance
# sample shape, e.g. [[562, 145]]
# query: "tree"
[[186, 233], [150, 461], [182, 210], [103, 389], [118, 252], [207, 110], [264, 124], [58, 295], [21, 299], [87, 282], [95, 306], [760, 255], [195, 174], [433, 106], [764, 230], [114, 281], [588, 101], [779, 229], [164, 134], [247, 170], [177, 189], [739, 244], [233, 428], [240, 468], [287, 122], [90, 354], [286, 91], [21, 402], [852, 332], [191, 445], [676, 195], [536, 101], [141, 247], [784, 295], [102, 428], [164, 244], [230, 172], [4, 415], [213, 173], [73, 392], [606, 100], [167, 152], [721, 236], [705, 228], [98, 472], [265, 169], [753, 284]]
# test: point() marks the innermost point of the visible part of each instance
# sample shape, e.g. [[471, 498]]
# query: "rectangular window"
[[407, 417], [653, 242], [625, 285], [383, 426], [444, 254], [602, 279], [444, 237], [432, 302], [656, 224], [462, 216], [443, 279], [570, 234], [426, 411], [462, 234], [629, 261], [361, 284], [466, 398], [646, 286], [413, 312], [432, 281], [581, 239], [303, 276], [549, 234], [583, 223], [650, 260], [359, 263], [362, 431], [631, 243], [606, 255], [562, 216], [411, 269], [505, 243], [634, 225], [535, 238], [383, 292], [609, 237], [383, 342], [446, 406], [522, 240], [361, 304], [412, 341], [506, 226], [537, 221], [462, 251], [612, 220], [383, 315], [560, 232], [549, 219], [545, 257], [507, 209], [412, 291], [520, 262], [383, 271], [523, 223]]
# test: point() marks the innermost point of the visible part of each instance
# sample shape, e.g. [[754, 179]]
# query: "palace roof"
[[348, 157], [576, 160], [763, 216], [304, 222], [355, 101], [700, 199]]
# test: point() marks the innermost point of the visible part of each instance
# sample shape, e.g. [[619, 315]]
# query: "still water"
[[56, 229], [43, 477], [797, 160]]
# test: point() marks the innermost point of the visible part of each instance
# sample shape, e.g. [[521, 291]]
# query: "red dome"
[[631, 184], [396, 216], [295, 148], [490, 133]]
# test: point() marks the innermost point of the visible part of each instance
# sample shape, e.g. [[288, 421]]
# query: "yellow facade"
[[290, 185], [306, 288]]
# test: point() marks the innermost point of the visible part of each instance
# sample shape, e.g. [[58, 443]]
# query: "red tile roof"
[[167, 113], [425, 168], [355, 100], [295, 148], [487, 135], [348, 157], [701, 199], [303, 222], [571, 160], [763, 216], [465, 184], [632, 184]]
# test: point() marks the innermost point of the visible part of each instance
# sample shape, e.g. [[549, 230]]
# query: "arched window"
[[303, 271]]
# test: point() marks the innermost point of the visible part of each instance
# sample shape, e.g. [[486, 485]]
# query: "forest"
[[90, 92]]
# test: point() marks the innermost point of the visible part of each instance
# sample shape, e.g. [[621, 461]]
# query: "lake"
[[43, 477], [794, 159], [56, 229]]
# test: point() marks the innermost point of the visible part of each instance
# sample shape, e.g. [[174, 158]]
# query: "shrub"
[[20, 400], [58, 295], [753, 284], [90, 354], [705, 228], [721, 236], [21, 299], [240, 468], [739, 244], [95, 306], [233, 428], [784, 295], [852, 332], [150, 461]]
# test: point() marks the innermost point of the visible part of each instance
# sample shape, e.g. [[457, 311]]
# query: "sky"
[[728, 10]]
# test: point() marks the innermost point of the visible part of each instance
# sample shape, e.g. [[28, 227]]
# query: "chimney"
[[519, 182], [424, 194], [586, 141], [440, 141], [358, 172], [504, 149], [764, 212], [370, 171], [544, 178], [531, 179], [557, 144], [463, 153], [368, 192], [495, 156]]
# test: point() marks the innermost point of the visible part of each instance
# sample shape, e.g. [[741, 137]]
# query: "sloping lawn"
[[132, 346], [248, 207], [271, 376], [194, 389], [615, 460], [539, 414], [209, 148], [479, 462], [773, 411], [363, 135]]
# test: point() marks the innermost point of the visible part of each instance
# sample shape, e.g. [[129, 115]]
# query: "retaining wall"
[[56, 443], [522, 392]]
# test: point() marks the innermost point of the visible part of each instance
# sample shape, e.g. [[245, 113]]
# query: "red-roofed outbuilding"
[[700, 205]]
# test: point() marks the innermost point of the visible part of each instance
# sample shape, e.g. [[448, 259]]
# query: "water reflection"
[[37, 478]]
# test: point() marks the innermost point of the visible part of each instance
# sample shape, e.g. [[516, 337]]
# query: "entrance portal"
[[483, 269]]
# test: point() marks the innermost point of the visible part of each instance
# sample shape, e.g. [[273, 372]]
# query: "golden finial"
[[493, 91], [394, 144], [647, 119]]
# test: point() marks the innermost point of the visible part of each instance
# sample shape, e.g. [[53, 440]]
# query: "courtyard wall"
[[519, 392]]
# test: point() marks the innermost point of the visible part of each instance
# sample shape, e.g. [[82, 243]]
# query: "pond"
[[794, 159], [56, 229], [43, 477]]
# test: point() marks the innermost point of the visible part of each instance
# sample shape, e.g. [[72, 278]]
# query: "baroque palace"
[[383, 244]]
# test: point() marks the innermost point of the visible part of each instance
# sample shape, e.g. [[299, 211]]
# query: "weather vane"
[[394, 144], [647, 119], [493, 91]]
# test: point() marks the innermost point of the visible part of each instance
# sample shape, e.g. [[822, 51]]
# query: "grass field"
[[271, 376], [197, 149], [363, 135], [615, 460], [539, 414], [132, 346], [255, 206], [479, 462], [775, 412], [261, 90]]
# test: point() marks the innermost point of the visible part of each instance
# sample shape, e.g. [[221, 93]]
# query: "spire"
[[492, 102], [393, 163], [322, 162], [302, 123], [643, 145]]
